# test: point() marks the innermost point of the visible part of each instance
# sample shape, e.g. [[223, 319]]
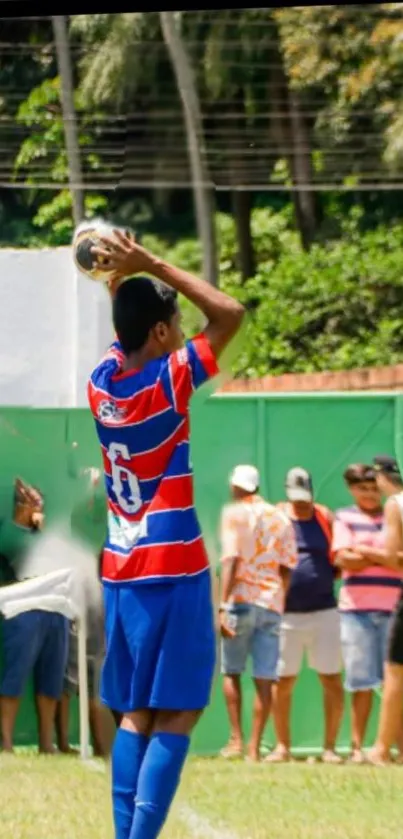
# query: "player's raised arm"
[[224, 314]]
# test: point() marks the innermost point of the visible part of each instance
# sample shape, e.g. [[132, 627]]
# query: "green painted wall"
[[51, 448]]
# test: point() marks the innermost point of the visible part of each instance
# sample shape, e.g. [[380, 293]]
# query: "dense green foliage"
[[335, 307], [288, 96]]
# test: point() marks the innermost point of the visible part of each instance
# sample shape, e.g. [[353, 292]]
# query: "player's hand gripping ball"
[[86, 236]]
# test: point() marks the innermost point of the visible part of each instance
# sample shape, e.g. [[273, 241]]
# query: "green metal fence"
[[323, 433]]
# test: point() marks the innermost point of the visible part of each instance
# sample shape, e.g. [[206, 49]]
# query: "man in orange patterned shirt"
[[258, 552]]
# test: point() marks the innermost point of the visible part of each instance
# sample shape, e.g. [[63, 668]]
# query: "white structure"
[[61, 577], [55, 324]]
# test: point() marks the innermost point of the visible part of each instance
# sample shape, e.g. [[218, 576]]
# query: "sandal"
[[232, 752], [331, 757], [278, 756]]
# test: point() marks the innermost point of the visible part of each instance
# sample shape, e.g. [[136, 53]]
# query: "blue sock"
[[158, 781], [127, 756]]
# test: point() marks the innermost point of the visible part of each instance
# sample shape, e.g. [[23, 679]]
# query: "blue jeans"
[[34, 643], [257, 634], [364, 641]]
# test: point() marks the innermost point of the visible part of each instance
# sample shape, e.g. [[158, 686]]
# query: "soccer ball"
[[86, 236]]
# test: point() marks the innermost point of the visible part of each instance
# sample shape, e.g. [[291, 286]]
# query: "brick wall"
[[366, 378]]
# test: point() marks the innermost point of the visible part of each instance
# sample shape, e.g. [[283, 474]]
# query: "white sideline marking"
[[202, 828], [199, 827]]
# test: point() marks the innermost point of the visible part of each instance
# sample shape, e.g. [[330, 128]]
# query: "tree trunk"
[[302, 171], [242, 212], [291, 136], [241, 198], [69, 115], [203, 194]]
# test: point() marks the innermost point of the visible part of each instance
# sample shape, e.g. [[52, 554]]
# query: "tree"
[[289, 97], [292, 137], [204, 202], [228, 94], [264, 87], [350, 66], [44, 149], [344, 313], [20, 70], [337, 306], [126, 73], [69, 116]]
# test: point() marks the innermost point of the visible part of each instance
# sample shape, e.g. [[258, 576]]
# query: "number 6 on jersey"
[[119, 472]]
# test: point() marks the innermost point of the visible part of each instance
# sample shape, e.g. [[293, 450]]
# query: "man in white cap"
[[258, 551]]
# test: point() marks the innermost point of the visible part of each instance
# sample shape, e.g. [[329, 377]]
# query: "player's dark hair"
[[139, 304]]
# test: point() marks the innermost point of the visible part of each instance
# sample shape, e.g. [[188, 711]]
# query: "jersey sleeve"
[[188, 369], [97, 388], [114, 357]]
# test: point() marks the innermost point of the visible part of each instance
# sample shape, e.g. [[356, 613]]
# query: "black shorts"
[[395, 652]]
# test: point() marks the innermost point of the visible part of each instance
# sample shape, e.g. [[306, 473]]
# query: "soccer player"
[[160, 637]]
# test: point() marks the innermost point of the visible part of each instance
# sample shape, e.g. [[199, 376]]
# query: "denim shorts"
[[364, 640], [258, 635], [34, 643]]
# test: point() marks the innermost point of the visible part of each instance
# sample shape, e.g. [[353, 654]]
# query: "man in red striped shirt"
[[369, 592], [159, 618]]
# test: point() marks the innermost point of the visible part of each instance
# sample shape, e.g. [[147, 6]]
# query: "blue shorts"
[[34, 643], [364, 641], [258, 635], [160, 645]]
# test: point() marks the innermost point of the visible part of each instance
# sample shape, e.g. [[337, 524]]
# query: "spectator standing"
[[311, 622], [368, 595], [33, 642], [258, 552]]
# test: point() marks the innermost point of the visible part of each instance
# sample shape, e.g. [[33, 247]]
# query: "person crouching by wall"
[[34, 642], [258, 553], [311, 622]]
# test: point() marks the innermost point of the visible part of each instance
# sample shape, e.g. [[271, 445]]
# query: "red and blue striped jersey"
[[142, 421]]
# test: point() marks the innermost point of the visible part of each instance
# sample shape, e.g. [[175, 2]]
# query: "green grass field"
[[60, 798]]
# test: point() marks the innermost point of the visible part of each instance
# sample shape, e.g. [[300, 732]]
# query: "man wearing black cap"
[[388, 474], [311, 623], [390, 483]]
